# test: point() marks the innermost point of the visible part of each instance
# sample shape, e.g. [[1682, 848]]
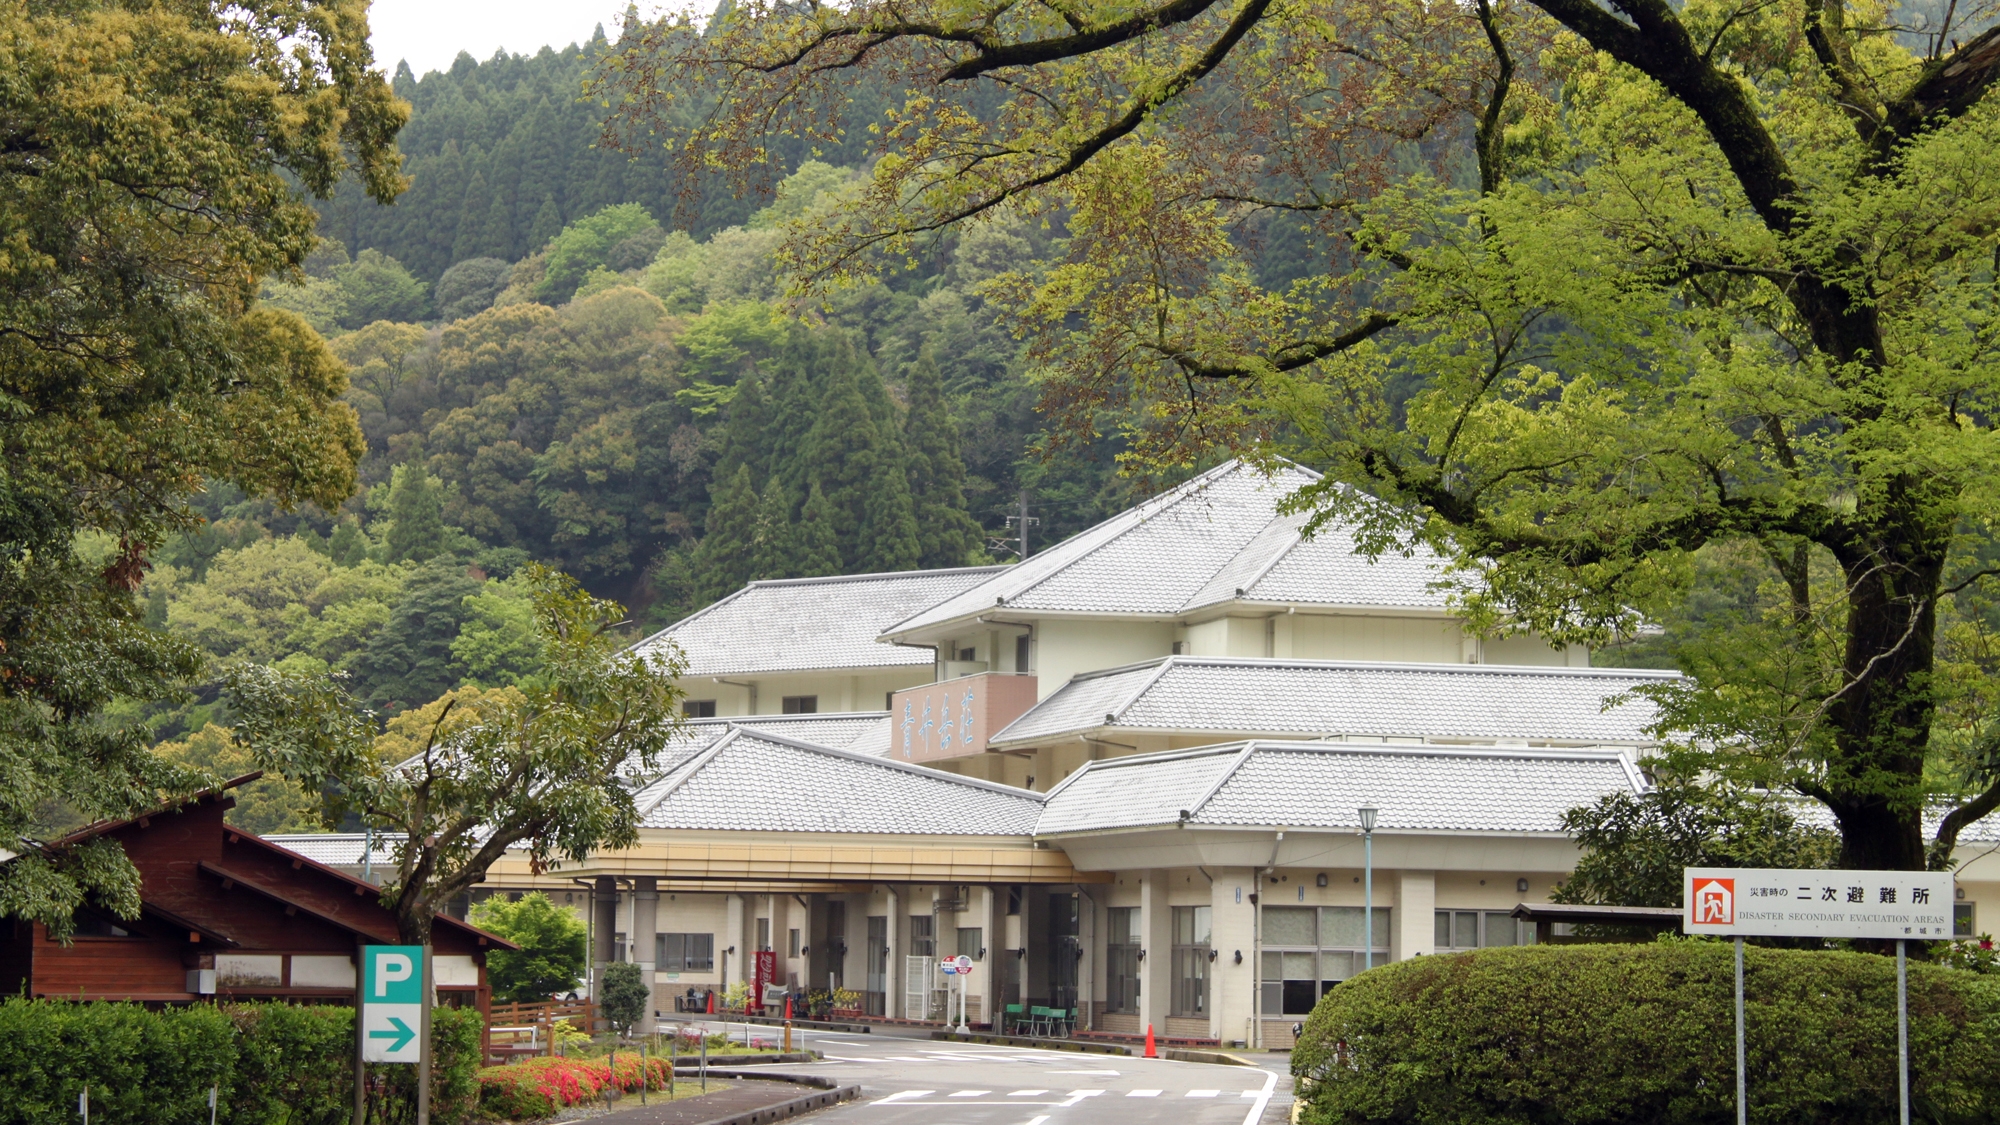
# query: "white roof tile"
[[756, 781], [1320, 785], [1228, 695], [338, 849], [1198, 545], [804, 624]]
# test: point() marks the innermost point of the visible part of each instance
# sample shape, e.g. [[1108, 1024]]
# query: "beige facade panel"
[[683, 861]]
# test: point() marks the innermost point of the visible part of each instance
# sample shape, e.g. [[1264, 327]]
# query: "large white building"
[[1123, 776]]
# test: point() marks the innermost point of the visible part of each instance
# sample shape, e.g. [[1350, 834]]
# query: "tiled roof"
[[1317, 697], [811, 623], [1217, 538], [756, 781], [1322, 785], [864, 732], [339, 849]]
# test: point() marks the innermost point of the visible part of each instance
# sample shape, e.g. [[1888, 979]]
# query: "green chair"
[[1010, 1017], [1059, 1022], [1038, 1020]]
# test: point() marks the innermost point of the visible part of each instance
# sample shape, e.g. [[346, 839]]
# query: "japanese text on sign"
[[1776, 902]]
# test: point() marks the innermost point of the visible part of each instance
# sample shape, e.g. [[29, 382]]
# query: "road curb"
[[1216, 1058], [829, 1093], [1039, 1044]]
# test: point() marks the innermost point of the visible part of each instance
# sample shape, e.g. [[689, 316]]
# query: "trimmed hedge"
[[276, 1064], [539, 1087], [1583, 1034]]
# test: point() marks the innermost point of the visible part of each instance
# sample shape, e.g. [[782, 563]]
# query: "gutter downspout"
[[751, 687]]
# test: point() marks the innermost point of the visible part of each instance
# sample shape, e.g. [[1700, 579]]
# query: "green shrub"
[[539, 1087], [275, 1064], [139, 1065], [1646, 1033]]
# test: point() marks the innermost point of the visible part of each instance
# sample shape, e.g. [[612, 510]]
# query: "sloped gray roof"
[[339, 849], [804, 624], [864, 732], [1216, 538], [1322, 697], [1322, 785], [757, 781]]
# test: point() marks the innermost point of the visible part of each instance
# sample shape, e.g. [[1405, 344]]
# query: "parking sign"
[[392, 1003]]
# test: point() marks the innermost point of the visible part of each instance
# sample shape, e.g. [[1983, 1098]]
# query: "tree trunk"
[[1882, 720]]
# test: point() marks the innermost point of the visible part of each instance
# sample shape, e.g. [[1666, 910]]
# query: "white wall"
[[862, 691], [1066, 647]]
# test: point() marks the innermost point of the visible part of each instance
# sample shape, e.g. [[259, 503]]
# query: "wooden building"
[[226, 915]]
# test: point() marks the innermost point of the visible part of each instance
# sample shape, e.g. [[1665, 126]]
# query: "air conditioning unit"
[[201, 982]]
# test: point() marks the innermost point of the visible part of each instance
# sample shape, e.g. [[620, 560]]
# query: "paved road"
[[920, 1081]]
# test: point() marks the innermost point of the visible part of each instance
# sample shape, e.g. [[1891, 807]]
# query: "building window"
[[1180, 648], [1121, 986], [1962, 922], [966, 654], [923, 935], [1307, 951], [1021, 654], [971, 942], [1191, 932], [792, 943], [763, 935], [801, 705], [1480, 929], [684, 953], [698, 708]]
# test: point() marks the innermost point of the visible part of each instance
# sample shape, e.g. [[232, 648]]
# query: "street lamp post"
[[1367, 888]]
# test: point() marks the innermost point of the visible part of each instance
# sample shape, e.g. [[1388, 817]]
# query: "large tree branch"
[[1659, 47], [1947, 89], [1957, 820], [1035, 52], [1291, 357]]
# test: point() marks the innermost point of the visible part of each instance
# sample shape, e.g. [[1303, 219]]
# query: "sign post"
[[1778, 902], [961, 967], [394, 1015]]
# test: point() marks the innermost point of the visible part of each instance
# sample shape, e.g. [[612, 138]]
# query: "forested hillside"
[[546, 367]]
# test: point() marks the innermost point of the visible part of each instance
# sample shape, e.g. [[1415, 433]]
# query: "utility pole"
[[1016, 544]]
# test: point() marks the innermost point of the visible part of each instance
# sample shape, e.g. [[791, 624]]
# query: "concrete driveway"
[[907, 1080]]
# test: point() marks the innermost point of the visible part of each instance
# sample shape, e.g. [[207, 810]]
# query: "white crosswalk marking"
[[1142, 1093], [1204, 1093], [969, 1093], [1026, 1093], [905, 1095]]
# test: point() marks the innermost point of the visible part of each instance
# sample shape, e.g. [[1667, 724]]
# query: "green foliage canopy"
[[153, 160], [550, 763], [552, 954]]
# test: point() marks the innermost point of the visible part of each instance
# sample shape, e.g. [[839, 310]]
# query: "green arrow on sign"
[[402, 1035]]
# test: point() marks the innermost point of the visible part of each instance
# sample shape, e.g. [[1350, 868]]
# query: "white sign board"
[[392, 1003], [964, 964], [1777, 902]]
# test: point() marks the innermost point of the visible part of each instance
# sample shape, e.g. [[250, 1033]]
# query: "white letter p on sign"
[[390, 967]]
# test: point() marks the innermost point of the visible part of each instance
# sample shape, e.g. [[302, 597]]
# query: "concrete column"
[[736, 924], [645, 924], [603, 923], [1035, 939], [1156, 940], [1412, 930], [892, 1002], [1232, 975], [989, 976]]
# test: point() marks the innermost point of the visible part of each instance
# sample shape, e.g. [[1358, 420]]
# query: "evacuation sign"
[[1765, 902], [392, 1002]]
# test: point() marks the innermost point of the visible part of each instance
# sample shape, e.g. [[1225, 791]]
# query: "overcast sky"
[[431, 33]]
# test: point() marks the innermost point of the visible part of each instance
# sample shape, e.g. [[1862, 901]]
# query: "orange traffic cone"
[[1150, 1052], [711, 1003], [788, 1009]]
